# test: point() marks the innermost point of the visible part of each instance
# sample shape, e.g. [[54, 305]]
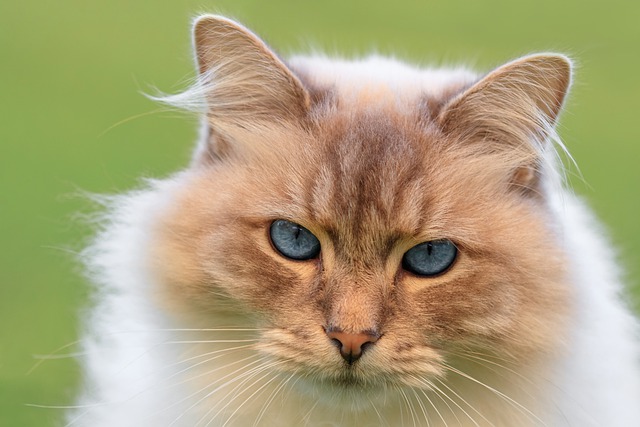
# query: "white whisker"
[[307, 416], [466, 403], [478, 358], [259, 390], [42, 358], [87, 406], [238, 389], [54, 356], [210, 385], [266, 405], [508, 399], [435, 408], [422, 408], [437, 392], [410, 407], [209, 353], [224, 352], [375, 409], [475, 357], [209, 341]]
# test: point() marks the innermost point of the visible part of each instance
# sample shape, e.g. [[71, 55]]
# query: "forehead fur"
[[353, 80], [369, 172]]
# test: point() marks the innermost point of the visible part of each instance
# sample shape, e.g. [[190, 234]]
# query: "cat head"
[[370, 229]]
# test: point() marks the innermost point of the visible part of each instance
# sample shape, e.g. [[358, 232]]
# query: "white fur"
[[598, 383], [403, 80], [132, 373]]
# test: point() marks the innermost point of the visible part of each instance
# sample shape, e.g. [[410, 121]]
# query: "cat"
[[359, 243]]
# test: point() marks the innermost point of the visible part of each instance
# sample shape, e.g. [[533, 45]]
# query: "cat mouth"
[[348, 391], [347, 381], [352, 380]]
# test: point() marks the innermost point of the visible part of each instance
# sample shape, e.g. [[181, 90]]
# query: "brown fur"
[[371, 179]]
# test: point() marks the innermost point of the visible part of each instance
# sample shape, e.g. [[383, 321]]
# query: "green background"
[[72, 118]]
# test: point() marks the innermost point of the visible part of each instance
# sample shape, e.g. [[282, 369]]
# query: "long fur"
[[199, 321]]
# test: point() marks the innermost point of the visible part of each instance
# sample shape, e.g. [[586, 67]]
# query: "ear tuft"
[[512, 110], [525, 95]]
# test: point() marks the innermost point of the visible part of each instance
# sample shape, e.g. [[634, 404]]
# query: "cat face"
[[367, 178]]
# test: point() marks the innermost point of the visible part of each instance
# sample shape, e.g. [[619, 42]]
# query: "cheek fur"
[[496, 291], [504, 292], [259, 276], [203, 250]]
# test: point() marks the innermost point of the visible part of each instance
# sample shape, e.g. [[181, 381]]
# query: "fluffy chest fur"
[[208, 318]]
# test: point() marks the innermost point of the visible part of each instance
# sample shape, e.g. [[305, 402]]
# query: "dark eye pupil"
[[293, 240], [430, 258]]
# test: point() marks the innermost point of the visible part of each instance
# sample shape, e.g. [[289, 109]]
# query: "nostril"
[[337, 342], [352, 346], [366, 345]]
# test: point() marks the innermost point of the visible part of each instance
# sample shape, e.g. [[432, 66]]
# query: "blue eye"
[[430, 258], [293, 240]]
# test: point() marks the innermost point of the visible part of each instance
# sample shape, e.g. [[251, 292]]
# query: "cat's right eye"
[[293, 240], [430, 258]]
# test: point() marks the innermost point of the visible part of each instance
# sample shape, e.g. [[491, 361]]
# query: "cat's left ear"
[[513, 108]]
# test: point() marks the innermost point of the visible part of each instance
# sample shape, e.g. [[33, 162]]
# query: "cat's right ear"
[[512, 110], [244, 82]]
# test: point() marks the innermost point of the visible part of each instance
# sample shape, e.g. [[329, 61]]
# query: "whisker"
[[218, 354], [129, 398], [59, 349], [209, 353], [477, 359], [307, 416], [210, 341], [73, 421], [491, 366], [466, 403], [209, 330], [435, 408], [44, 357], [87, 406], [259, 390], [53, 355], [156, 346], [471, 356], [409, 406], [265, 407], [245, 377], [508, 399], [430, 385], [422, 408], [210, 385], [375, 408], [438, 392]]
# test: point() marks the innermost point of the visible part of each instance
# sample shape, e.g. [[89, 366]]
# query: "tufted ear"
[[244, 81], [515, 107]]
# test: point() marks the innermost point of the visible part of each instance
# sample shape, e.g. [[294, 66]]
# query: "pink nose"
[[352, 345]]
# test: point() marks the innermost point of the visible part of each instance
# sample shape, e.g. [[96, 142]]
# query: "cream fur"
[[596, 384], [135, 346]]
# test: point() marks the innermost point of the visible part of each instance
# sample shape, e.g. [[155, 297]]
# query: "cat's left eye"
[[430, 258], [293, 240]]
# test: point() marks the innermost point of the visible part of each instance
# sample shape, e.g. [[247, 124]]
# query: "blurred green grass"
[[72, 117]]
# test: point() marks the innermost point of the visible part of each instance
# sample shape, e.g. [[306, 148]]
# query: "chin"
[[348, 394]]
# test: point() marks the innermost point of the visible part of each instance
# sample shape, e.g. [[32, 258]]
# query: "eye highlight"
[[293, 240], [430, 258]]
